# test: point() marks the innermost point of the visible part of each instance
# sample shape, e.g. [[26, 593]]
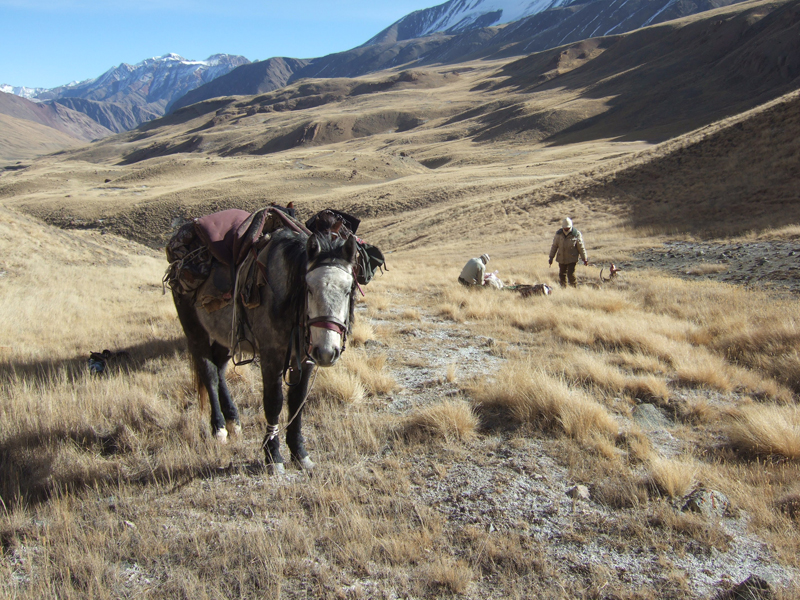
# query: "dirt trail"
[[514, 485]]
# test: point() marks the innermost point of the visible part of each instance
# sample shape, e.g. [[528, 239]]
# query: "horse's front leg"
[[273, 403], [294, 436]]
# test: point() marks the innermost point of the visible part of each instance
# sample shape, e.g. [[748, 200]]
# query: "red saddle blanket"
[[219, 231]]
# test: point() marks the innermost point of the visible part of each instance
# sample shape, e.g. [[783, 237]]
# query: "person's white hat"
[[485, 258], [566, 223]]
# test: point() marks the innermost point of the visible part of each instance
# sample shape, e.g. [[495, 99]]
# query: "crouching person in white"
[[474, 271]]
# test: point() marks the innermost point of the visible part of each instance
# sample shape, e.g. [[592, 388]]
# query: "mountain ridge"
[[253, 78], [61, 118], [547, 25], [126, 96]]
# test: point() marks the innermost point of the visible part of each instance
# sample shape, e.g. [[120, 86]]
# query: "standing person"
[[474, 270], [568, 248]]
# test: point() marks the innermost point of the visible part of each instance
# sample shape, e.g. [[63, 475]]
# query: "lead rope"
[[274, 431]]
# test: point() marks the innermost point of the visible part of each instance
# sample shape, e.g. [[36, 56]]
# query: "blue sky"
[[46, 43]]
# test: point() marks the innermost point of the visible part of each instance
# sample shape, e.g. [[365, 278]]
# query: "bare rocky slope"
[[60, 118], [246, 80]]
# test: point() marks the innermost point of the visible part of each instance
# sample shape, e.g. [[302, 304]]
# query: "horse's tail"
[[199, 386]]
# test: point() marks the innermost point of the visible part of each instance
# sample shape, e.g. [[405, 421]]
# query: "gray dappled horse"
[[309, 296]]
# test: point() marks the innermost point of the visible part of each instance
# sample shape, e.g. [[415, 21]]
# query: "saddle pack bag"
[[370, 259], [189, 261]]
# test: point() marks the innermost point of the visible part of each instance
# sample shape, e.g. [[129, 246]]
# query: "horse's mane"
[[291, 246]]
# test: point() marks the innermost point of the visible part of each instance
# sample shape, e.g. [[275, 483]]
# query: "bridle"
[[301, 332], [327, 321]]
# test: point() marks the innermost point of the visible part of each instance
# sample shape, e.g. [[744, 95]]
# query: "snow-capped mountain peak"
[[457, 16], [23, 92], [463, 14]]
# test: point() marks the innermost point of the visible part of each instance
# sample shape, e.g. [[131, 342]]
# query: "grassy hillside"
[[23, 140]]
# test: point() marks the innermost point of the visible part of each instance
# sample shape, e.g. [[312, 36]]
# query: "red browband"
[[340, 328]]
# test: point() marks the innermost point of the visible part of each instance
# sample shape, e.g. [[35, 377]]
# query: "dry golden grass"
[[371, 370], [699, 411], [670, 477], [113, 486], [362, 333], [591, 368], [448, 421], [702, 368], [638, 363], [764, 430], [706, 269], [452, 373], [78, 444], [377, 303], [340, 385], [648, 388], [530, 395], [448, 576]]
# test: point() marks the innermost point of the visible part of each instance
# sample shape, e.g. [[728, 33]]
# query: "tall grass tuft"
[[670, 477], [340, 385], [370, 369], [764, 430], [531, 395], [449, 421]]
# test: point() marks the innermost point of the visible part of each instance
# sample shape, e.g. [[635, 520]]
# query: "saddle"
[[228, 237]]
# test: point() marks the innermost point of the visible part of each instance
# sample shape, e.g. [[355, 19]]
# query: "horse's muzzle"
[[325, 356], [326, 342]]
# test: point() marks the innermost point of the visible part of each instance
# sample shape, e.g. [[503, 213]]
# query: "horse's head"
[[330, 282]]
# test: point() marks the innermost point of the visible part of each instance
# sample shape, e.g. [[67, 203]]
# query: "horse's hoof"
[[233, 428], [276, 469], [305, 463], [221, 435]]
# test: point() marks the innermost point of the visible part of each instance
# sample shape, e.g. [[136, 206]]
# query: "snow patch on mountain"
[[457, 16], [461, 15], [21, 91]]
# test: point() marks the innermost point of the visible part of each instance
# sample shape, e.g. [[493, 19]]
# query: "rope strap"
[[272, 433], [274, 430]]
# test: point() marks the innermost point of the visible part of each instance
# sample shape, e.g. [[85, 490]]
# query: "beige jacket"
[[473, 271], [568, 248]]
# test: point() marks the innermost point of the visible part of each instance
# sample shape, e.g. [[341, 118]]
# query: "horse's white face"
[[329, 290]]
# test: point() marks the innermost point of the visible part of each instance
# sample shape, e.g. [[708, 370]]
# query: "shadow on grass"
[[31, 473], [128, 359]]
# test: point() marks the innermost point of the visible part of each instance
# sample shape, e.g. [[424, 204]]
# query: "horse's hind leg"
[[294, 436], [212, 377], [209, 363], [229, 411]]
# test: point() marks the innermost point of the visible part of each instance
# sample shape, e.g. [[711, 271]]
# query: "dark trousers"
[[567, 271]]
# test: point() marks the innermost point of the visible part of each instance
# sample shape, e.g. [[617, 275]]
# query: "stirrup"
[[238, 354]]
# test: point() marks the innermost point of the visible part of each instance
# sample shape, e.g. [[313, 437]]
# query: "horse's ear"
[[351, 248], [313, 248]]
